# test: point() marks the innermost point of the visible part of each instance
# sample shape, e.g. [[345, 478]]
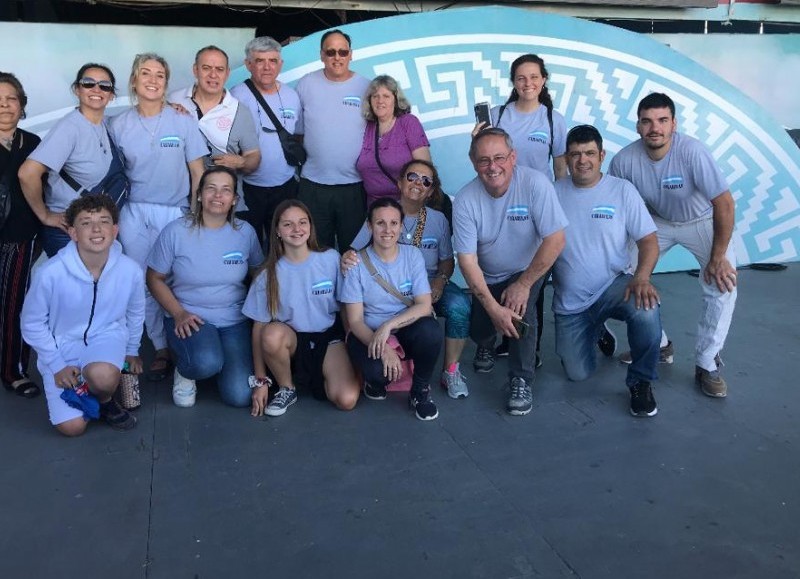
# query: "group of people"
[[227, 250]]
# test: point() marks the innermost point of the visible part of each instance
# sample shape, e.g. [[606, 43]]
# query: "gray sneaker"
[[521, 400], [483, 361], [666, 355], [455, 384], [284, 398]]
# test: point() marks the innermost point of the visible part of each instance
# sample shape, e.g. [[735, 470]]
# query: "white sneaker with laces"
[[184, 391]]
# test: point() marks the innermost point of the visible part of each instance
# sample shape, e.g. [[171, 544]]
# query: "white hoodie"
[[65, 305]]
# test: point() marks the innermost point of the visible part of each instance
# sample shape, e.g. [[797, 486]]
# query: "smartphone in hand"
[[482, 115], [522, 327]]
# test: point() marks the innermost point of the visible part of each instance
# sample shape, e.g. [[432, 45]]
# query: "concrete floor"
[[578, 488]]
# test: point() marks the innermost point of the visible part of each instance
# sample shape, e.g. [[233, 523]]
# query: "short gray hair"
[[401, 104], [490, 132], [261, 44]]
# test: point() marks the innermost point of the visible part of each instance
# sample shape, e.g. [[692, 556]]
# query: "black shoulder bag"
[[293, 150], [115, 184]]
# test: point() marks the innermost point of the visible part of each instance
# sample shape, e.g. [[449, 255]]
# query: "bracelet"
[[258, 381]]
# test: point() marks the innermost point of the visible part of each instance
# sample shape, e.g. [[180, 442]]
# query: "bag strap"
[[389, 288], [500, 116], [422, 217], [13, 154], [378, 158], [279, 128], [116, 165]]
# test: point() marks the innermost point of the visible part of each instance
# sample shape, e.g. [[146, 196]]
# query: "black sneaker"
[[607, 342], [501, 351], [483, 361], [374, 392], [117, 417], [642, 402], [421, 403]]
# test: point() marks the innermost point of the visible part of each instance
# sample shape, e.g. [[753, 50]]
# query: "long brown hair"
[[276, 251]]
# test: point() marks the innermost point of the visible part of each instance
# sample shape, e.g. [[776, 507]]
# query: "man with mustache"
[[690, 202]]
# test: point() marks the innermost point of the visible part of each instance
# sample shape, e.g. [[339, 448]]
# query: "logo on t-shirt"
[[539, 137], [322, 288], [233, 258], [406, 287], [170, 142], [672, 182], [518, 213], [603, 212], [352, 101], [288, 113], [430, 243]]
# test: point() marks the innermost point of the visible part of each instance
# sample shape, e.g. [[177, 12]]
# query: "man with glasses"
[[509, 229], [691, 205], [273, 180], [333, 128], [592, 279]]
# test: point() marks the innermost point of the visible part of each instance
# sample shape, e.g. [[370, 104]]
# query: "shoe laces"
[[641, 390], [483, 353], [282, 396], [519, 389]]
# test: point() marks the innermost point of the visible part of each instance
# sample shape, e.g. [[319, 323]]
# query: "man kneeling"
[[84, 315], [591, 278]]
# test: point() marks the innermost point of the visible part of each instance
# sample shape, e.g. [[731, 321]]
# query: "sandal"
[[23, 387], [160, 368]]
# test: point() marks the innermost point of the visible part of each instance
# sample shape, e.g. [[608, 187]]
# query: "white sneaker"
[[183, 391]]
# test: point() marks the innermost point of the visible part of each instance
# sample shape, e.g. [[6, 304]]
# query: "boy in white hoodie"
[[84, 315]]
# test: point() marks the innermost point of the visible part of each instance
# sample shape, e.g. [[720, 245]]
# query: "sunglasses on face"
[[416, 177], [342, 52], [88, 83]]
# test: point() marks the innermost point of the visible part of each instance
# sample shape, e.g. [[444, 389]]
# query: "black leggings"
[[421, 342]]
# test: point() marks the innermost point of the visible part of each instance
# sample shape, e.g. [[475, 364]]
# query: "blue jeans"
[[577, 334], [225, 352], [455, 306], [53, 239]]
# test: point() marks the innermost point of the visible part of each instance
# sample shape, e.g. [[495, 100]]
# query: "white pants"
[[139, 226], [715, 318]]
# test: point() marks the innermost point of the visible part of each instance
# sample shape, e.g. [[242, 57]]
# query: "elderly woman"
[[77, 146], [197, 270], [163, 152], [428, 230], [392, 138], [18, 229], [297, 334], [387, 301]]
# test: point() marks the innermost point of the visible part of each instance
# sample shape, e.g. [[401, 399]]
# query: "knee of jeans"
[[204, 366], [643, 318], [238, 397], [576, 371]]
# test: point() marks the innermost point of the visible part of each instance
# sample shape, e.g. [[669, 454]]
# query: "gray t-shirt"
[[436, 245], [81, 149], [307, 293], [530, 133], [679, 187], [506, 232], [206, 268], [603, 220], [333, 127], [406, 273], [273, 170], [156, 151]]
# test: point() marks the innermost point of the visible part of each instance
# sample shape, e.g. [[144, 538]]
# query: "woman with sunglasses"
[[297, 332], [79, 146], [163, 152], [392, 138], [428, 230], [18, 247], [197, 270], [539, 134], [387, 303]]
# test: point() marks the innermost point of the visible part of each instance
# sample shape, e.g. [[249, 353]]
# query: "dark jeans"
[[522, 352], [421, 342], [338, 210], [261, 203], [53, 239]]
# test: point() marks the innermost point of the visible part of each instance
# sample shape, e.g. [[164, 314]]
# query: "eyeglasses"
[[342, 52], [412, 177], [88, 83], [484, 162]]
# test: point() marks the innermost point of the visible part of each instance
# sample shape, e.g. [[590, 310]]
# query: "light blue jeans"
[[224, 352], [577, 335]]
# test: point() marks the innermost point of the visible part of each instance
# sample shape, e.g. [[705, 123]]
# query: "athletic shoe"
[[666, 355], [117, 417], [483, 361], [521, 400], [455, 384], [374, 392], [607, 341], [284, 398], [419, 399], [184, 391], [642, 402], [501, 351], [710, 383]]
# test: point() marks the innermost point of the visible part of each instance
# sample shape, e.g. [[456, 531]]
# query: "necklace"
[[409, 231], [101, 137], [8, 141], [155, 129]]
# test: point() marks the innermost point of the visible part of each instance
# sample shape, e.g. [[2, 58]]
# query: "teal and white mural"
[[448, 60]]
